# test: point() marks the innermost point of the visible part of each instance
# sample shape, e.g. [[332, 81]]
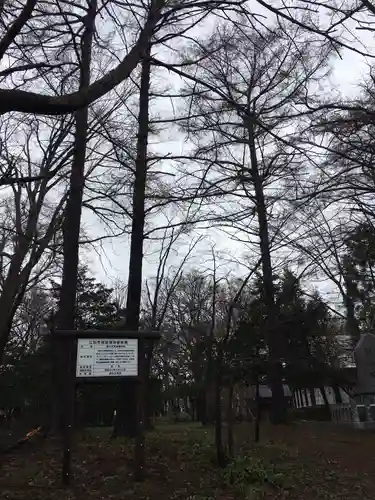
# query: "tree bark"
[[133, 302], [338, 397], [312, 396], [32, 102], [72, 222], [139, 452], [71, 230], [206, 390], [149, 349], [278, 406], [230, 420], [352, 327], [306, 393], [257, 411], [201, 406], [17, 279], [324, 396], [17, 26], [13, 290], [220, 453], [55, 424]]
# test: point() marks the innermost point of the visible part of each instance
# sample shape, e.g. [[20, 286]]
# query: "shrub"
[[181, 417], [316, 413], [199, 497], [204, 451], [248, 476]]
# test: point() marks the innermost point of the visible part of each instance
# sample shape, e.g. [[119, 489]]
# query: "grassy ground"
[[304, 461]]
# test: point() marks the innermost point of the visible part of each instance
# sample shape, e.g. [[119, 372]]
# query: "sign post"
[[69, 407], [101, 356]]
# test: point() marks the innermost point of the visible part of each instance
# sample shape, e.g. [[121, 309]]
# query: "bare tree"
[[229, 304], [22, 19], [245, 97], [72, 221], [322, 245], [119, 294], [29, 323], [71, 231], [41, 19], [31, 214], [160, 288]]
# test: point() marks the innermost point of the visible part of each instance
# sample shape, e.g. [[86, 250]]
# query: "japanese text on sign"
[[107, 358]]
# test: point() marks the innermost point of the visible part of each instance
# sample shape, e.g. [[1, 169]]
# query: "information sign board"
[[107, 357]]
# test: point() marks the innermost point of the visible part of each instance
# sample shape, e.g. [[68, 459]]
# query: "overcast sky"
[[110, 261]]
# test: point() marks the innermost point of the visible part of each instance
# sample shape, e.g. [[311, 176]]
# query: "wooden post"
[[257, 411], [55, 381], [139, 450], [69, 407], [70, 355]]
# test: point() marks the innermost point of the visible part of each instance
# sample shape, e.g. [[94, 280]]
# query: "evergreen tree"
[[359, 274], [95, 307], [26, 381]]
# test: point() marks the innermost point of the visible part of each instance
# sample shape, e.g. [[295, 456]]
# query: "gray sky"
[[110, 261]]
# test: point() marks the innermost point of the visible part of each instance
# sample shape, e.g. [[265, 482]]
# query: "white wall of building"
[[302, 397]]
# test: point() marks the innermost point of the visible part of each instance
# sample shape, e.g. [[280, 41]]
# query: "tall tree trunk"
[[208, 379], [312, 396], [133, 302], [338, 397], [201, 405], [306, 396], [126, 419], [278, 406], [230, 420], [257, 410], [5, 328], [15, 284], [149, 349], [352, 327], [56, 384], [220, 453], [324, 396], [71, 230], [72, 222], [207, 388], [13, 291]]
